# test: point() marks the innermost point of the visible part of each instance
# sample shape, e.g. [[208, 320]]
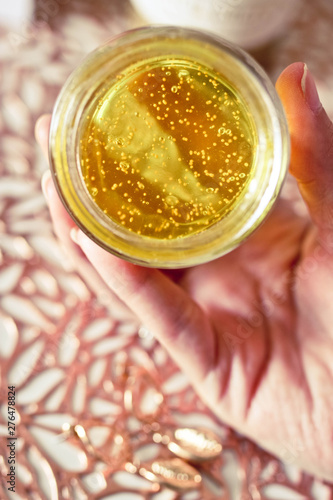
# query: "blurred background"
[[64, 339]]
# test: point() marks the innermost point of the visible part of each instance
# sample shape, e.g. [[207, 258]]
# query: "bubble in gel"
[[171, 200]]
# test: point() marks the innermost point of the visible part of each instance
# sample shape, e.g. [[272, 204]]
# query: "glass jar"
[[121, 137]]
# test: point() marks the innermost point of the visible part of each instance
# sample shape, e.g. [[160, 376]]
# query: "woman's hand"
[[253, 330]]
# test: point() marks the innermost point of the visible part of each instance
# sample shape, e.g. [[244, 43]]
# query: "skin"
[[253, 330]]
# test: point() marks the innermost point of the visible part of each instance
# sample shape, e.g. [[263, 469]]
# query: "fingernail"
[[46, 184], [78, 236], [41, 131], [74, 235], [38, 128], [310, 92]]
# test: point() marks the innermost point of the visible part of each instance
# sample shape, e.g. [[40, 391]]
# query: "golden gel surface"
[[166, 148]]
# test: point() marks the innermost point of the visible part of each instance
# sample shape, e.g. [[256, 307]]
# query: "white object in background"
[[15, 13], [248, 23]]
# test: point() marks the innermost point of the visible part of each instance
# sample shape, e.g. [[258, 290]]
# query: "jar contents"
[[167, 147]]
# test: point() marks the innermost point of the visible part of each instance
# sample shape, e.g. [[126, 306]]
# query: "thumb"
[[311, 133]]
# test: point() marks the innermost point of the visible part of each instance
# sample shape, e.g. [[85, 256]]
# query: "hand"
[[253, 330]]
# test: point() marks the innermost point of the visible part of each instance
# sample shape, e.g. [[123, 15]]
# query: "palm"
[[257, 299]]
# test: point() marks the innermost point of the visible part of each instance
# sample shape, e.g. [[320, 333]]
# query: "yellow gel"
[[169, 148]]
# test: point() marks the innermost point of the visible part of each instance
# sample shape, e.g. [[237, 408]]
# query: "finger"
[[311, 134], [161, 305], [42, 129]]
